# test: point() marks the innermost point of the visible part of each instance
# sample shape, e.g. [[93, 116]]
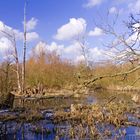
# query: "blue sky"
[[48, 16]]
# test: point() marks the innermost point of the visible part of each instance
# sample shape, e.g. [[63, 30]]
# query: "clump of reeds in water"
[[96, 121]]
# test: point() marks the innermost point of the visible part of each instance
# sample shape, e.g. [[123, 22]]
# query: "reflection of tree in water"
[[64, 130]]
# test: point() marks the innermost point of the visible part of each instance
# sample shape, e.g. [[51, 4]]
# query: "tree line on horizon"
[[50, 70]]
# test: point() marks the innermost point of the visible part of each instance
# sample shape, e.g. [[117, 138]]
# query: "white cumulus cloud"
[[93, 55], [6, 48], [44, 47], [31, 24], [74, 28], [4, 30], [72, 52], [73, 49], [18, 34], [5, 44], [40, 48], [55, 47], [32, 36], [96, 32]]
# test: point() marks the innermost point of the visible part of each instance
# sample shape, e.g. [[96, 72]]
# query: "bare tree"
[[84, 49], [124, 48], [11, 37], [24, 49]]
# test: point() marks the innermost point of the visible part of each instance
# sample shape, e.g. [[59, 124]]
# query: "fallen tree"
[[91, 81], [124, 49]]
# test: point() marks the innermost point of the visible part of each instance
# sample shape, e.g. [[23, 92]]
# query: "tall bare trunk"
[[24, 50], [17, 66], [84, 51], [7, 77]]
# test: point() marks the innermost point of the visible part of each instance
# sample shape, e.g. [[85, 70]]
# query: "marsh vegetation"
[[47, 96], [97, 115]]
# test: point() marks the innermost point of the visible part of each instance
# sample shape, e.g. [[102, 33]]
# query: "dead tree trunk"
[[91, 81], [24, 50], [84, 49], [84, 53], [17, 66], [7, 77]]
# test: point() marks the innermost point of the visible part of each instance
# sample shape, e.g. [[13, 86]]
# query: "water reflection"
[[47, 130]]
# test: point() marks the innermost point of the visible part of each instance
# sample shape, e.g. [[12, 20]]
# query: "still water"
[[47, 130]]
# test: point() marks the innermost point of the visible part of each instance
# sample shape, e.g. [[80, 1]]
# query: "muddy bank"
[[65, 98]]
